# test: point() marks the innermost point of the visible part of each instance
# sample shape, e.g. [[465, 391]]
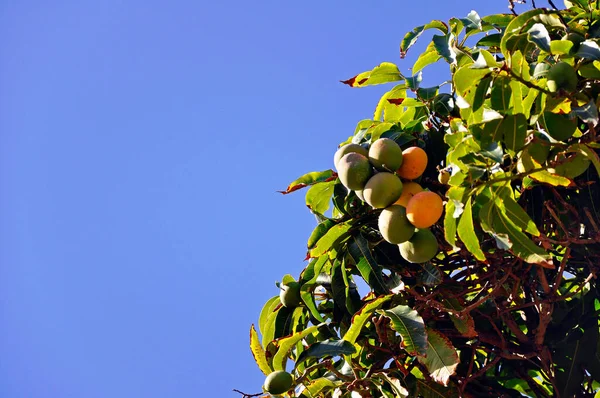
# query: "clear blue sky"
[[141, 147]]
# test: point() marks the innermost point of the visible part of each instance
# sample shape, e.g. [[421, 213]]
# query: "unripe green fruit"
[[278, 382], [443, 104], [289, 295], [348, 148], [444, 177], [382, 190], [385, 154], [422, 247], [562, 76], [539, 150], [394, 226], [354, 170]]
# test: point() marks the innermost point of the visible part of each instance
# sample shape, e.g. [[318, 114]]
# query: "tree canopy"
[[494, 294]]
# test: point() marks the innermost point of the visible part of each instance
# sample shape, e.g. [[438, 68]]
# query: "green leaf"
[[319, 231], [366, 264], [441, 359], [589, 49], [362, 316], [515, 131], [450, 223], [309, 301], [285, 344], [259, 353], [561, 47], [428, 57], [588, 152], [333, 237], [319, 386], [519, 216], [277, 325], [411, 37], [501, 94], [588, 113], [411, 328], [464, 323], [385, 72], [521, 245], [466, 232], [267, 310], [339, 286], [310, 179], [444, 47], [538, 34], [415, 81], [472, 21], [398, 91], [327, 348], [516, 27], [571, 359], [465, 79], [431, 275], [318, 196], [491, 40]]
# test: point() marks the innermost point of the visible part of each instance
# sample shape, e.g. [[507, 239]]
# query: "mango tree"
[[470, 211]]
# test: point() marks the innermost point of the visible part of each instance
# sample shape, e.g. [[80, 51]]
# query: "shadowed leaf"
[[411, 328], [441, 359]]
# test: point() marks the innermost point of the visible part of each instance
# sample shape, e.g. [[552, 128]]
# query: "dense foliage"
[[509, 305]]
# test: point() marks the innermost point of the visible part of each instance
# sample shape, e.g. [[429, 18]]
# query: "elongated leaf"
[[466, 79], [267, 310], [385, 72], [309, 301], [450, 223], [366, 264], [444, 47], [519, 216], [428, 57], [285, 344], [411, 37], [319, 386], [277, 325], [491, 40], [441, 359], [362, 316], [398, 91], [589, 49], [538, 34], [327, 348], [521, 246], [259, 352], [501, 94], [310, 179], [330, 239], [431, 275], [516, 27], [589, 153], [464, 323], [466, 232], [318, 197], [411, 328], [338, 285]]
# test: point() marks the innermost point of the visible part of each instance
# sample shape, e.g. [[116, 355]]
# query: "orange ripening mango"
[[424, 209], [408, 191], [414, 162]]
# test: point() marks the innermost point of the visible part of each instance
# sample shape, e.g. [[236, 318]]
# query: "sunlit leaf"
[[362, 316], [411, 328], [411, 37], [386, 72], [309, 179], [444, 47], [366, 264], [466, 232], [326, 348], [285, 344], [441, 358], [333, 236], [259, 352], [318, 196], [267, 310]]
